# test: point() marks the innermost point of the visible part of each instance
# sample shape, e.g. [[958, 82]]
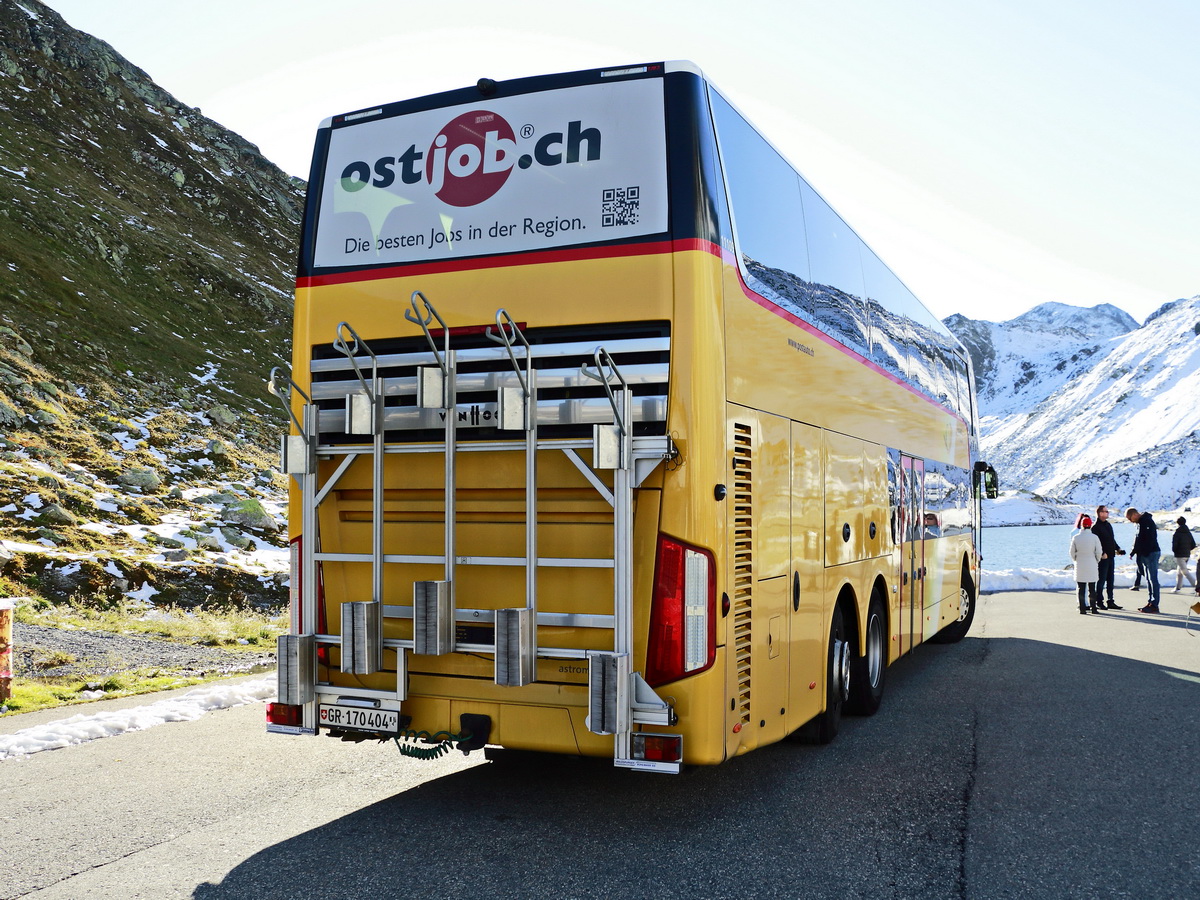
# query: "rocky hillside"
[[146, 259], [1086, 406]]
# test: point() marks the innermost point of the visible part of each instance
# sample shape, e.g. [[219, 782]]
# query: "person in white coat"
[[1086, 552]]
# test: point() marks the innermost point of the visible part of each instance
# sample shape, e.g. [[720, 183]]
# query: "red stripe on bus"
[[496, 262]]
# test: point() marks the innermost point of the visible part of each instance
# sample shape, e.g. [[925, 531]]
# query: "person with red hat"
[[1086, 552]]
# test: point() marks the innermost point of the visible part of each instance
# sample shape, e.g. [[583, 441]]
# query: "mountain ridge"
[[1077, 406]]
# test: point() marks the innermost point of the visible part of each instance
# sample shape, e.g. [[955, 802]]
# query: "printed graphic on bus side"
[[530, 172]]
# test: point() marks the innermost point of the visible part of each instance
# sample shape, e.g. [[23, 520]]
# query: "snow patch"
[[82, 729]]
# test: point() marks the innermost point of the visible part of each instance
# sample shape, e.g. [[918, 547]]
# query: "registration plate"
[[359, 718]]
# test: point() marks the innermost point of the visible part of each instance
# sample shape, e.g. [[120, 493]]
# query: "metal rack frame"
[[618, 697]]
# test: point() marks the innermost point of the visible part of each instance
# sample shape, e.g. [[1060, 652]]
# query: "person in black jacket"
[[1145, 547], [1182, 545], [1108, 546]]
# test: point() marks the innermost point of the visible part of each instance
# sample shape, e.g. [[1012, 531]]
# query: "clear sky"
[[997, 154]]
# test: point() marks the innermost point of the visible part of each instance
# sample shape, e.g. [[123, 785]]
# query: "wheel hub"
[[874, 650], [964, 603], [841, 669]]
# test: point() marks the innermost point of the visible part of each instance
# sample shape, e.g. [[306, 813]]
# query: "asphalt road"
[[1047, 755]]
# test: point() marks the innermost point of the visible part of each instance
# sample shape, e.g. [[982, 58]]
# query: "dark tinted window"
[[767, 211], [797, 252]]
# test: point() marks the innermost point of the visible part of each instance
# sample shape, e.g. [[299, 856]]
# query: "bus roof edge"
[[682, 65]]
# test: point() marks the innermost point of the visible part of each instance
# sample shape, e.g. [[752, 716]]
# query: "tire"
[[869, 671], [824, 727], [967, 600]]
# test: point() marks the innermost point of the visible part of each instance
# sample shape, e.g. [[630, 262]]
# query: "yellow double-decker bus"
[[610, 438]]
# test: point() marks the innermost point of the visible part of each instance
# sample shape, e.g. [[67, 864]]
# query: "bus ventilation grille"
[[569, 403], [743, 560]]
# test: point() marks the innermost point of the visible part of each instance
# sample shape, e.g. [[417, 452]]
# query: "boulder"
[[216, 499], [143, 479], [208, 542], [11, 377], [53, 514], [222, 416], [10, 338], [235, 538], [50, 536], [45, 417], [9, 417], [250, 514]]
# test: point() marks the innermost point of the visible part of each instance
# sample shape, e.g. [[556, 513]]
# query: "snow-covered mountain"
[[1085, 406], [1020, 363]]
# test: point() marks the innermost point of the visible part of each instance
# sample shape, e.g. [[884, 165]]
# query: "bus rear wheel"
[[824, 728], [869, 670]]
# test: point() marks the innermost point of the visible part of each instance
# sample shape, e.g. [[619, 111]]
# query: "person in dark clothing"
[[1108, 562], [1145, 546], [1182, 545], [1137, 565]]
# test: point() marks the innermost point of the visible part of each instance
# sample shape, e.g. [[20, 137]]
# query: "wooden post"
[[6, 634]]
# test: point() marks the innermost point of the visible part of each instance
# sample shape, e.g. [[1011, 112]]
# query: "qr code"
[[621, 206]]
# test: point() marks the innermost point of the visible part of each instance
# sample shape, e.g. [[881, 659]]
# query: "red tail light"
[[285, 714], [683, 621], [657, 747]]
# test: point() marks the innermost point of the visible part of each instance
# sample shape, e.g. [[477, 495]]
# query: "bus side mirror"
[[987, 482]]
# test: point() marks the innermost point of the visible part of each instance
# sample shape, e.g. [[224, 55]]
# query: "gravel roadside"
[[83, 654]]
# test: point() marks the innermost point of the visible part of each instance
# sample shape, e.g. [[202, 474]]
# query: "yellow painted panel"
[[935, 576], [696, 410], [844, 532], [625, 289], [772, 496], [806, 626], [769, 686], [523, 727], [876, 509]]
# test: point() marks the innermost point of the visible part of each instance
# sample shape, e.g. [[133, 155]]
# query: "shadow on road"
[[997, 767]]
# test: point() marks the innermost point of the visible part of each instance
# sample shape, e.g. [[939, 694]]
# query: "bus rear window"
[[504, 174]]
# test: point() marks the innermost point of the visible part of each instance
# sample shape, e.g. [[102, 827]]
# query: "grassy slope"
[[146, 259]]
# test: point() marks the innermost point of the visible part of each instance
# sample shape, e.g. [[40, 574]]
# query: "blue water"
[[1035, 546]]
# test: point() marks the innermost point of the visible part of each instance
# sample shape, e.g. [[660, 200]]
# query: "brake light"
[[657, 747], [285, 714], [683, 622]]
